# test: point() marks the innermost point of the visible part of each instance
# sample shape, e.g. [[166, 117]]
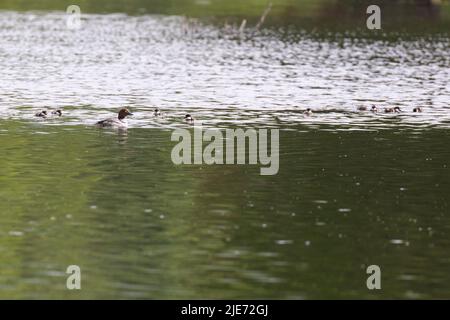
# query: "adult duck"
[[119, 122]]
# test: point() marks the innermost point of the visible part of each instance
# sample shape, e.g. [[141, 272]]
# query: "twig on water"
[[264, 16]]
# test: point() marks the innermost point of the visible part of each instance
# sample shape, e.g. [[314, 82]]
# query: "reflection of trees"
[[399, 8], [412, 15], [307, 14]]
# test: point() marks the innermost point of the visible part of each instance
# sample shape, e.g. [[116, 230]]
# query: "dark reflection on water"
[[141, 227], [321, 16]]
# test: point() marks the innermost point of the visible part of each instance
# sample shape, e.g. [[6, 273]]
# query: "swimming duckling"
[[157, 112], [361, 108], [119, 122], [308, 112], [188, 118], [374, 108], [57, 113], [42, 114], [392, 110], [417, 109]]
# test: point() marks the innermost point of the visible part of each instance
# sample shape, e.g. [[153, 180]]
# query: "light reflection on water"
[[183, 66]]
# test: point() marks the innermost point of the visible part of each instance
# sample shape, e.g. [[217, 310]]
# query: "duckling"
[[119, 122], [42, 114], [188, 118], [308, 112], [57, 113], [392, 110], [157, 112], [417, 109], [374, 108], [361, 108]]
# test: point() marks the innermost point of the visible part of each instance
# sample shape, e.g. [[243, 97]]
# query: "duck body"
[[189, 119], [57, 113], [112, 122], [42, 114], [373, 108], [119, 122], [49, 113], [392, 110]]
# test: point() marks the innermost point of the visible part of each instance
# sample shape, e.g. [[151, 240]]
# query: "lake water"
[[353, 189]]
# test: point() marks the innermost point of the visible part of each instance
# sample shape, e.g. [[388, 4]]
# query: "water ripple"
[[183, 66]]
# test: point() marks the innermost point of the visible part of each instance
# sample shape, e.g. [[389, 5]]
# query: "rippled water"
[[180, 66], [354, 188]]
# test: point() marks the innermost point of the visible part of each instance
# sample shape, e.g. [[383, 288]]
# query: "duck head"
[[123, 113]]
